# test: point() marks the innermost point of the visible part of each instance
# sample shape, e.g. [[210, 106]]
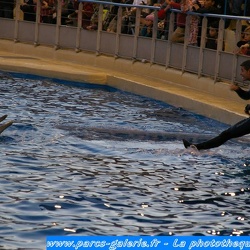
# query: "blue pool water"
[[89, 160]]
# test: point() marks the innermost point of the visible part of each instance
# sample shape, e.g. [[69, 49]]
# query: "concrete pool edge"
[[201, 96]]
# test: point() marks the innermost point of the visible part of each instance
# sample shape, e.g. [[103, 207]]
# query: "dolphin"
[[5, 125]]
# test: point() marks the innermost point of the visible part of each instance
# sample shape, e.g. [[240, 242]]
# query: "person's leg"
[[178, 35], [239, 129]]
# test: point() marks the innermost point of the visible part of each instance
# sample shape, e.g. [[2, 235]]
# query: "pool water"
[[91, 160]]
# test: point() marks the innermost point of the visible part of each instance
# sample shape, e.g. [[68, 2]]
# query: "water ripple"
[[89, 160]]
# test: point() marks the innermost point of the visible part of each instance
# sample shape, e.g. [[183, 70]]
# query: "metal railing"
[[220, 64]]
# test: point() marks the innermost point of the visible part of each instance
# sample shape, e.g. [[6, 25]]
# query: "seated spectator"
[[47, 10], [147, 29], [163, 17], [245, 43], [110, 20], [28, 9], [224, 8], [212, 37], [209, 7], [144, 12], [67, 7], [94, 19], [179, 33], [6, 8], [243, 27], [66, 10], [87, 12], [128, 19]]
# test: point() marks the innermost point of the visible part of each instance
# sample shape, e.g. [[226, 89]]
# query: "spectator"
[[128, 19], [224, 8], [94, 19], [212, 37], [28, 8], [209, 7], [163, 17], [147, 29], [188, 5], [47, 10], [179, 33], [245, 42], [87, 12], [110, 20], [243, 27], [67, 9]]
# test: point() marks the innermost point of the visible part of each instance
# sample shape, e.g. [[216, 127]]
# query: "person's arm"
[[202, 10], [245, 95], [162, 12], [175, 5], [245, 46]]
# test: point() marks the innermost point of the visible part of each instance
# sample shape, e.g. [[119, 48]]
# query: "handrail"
[[121, 4], [172, 10], [214, 15], [220, 64]]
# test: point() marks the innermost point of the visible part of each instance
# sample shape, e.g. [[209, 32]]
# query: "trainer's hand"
[[234, 87], [247, 109]]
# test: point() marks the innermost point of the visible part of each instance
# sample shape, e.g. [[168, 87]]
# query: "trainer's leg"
[[239, 129], [215, 142]]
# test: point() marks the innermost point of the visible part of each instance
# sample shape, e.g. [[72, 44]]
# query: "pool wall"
[[200, 95]]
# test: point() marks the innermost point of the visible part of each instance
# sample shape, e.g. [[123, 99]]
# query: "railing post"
[[238, 32], [169, 42], [202, 45], [79, 27], [38, 18], [17, 18], [137, 30], [186, 42], [118, 31], [220, 42], [154, 37], [235, 58], [99, 29], [58, 23]]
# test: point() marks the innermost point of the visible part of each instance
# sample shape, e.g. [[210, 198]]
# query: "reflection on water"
[[96, 161]]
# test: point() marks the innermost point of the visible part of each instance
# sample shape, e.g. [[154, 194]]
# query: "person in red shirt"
[[87, 12], [179, 33]]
